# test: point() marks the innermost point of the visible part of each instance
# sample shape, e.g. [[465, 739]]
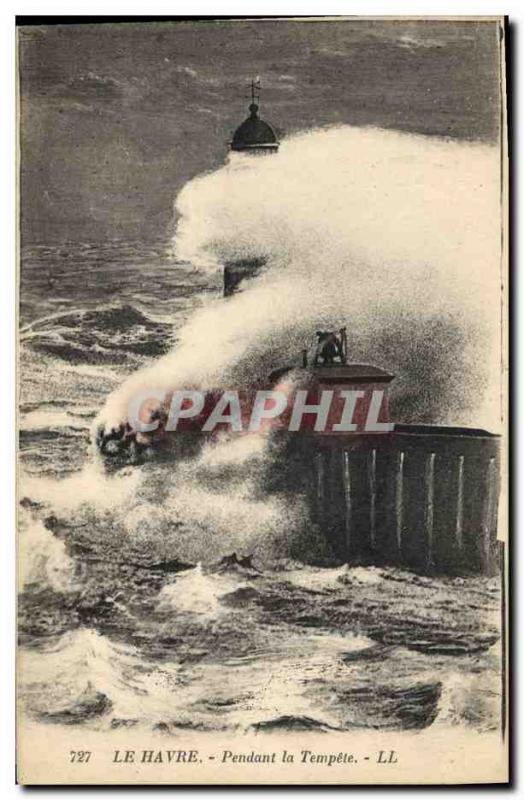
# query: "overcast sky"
[[117, 117]]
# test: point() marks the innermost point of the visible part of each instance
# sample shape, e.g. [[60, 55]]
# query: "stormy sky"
[[116, 117]]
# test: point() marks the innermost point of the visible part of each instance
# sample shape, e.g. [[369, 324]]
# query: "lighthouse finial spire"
[[255, 90], [254, 135]]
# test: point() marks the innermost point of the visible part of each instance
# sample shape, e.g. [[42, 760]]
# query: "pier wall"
[[422, 497]]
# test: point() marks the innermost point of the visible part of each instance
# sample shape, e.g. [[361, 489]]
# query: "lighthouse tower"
[[254, 136]]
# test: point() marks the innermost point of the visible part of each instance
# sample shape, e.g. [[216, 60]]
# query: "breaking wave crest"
[[43, 560]]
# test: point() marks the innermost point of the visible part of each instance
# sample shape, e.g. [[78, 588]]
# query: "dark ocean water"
[[129, 614]]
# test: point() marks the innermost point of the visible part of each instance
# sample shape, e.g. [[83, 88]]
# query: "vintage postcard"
[[262, 369]]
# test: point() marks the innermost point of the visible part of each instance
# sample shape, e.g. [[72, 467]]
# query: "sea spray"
[[394, 235], [195, 509]]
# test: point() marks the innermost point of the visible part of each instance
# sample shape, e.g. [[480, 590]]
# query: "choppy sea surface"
[[133, 613]]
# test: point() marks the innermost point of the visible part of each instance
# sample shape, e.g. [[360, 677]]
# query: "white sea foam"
[[91, 487], [213, 504], [197, 593], [51, 419], [43, 560], [91, 666]]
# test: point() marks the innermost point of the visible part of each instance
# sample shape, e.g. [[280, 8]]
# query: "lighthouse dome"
[[254, 135]]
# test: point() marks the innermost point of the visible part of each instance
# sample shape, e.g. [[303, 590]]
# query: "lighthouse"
[[254, 135]]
